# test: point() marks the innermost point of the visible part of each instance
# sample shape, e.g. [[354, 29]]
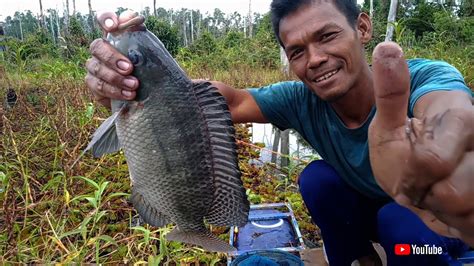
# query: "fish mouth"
[[326, 75]]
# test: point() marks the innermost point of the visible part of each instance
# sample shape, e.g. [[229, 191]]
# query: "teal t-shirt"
[[291, 104]]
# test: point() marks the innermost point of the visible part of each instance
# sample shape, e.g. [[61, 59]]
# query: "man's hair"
[[282, 8]]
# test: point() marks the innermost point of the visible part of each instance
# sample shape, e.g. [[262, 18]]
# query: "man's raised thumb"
[[391, 85]]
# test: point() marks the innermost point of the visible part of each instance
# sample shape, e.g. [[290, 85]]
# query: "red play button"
[[402, 249]]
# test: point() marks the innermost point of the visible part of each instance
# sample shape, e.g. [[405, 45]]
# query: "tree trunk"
[[21, 28], [91, 17], [154, 8], [391, 19], [184, 31], [245, 28], [66, 19], [41, 14], [276, 143], [371, 9], [192, 27], [285, 149], [51, 22], [250, 19], [74, 8], [58, 27], [199, 25]]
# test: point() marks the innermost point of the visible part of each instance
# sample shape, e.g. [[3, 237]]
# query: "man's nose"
[[316, 57]]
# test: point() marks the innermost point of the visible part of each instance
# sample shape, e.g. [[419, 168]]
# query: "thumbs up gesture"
[[425, 163]]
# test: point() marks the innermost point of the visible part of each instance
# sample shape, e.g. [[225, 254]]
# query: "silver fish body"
[[178, 140]]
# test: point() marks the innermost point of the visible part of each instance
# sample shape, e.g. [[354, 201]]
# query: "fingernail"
[[129, 83], [402, 200], [454, 232], [123, 65], [109, 23], [126, 93]]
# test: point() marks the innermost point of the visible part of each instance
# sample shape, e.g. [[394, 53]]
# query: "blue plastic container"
[[267, 258]]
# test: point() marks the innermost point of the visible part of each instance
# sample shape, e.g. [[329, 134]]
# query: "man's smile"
[[325, 76]]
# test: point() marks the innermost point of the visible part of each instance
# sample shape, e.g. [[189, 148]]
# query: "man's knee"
[[390, 227], [397, 224], [317, 179]]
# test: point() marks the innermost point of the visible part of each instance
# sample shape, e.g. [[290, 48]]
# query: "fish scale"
[[179, 145], [176, 161]]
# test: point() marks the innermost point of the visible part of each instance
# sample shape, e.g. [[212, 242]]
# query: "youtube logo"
[[402, 249]]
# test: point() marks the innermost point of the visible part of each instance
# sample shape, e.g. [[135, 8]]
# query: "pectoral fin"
[[105, 139]]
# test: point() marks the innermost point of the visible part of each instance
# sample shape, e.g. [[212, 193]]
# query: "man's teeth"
[[328, 75]]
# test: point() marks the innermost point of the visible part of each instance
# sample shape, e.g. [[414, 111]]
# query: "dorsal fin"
[[230, 205]]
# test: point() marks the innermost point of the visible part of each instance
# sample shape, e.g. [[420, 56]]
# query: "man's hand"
[[424, 163], [108, 70]]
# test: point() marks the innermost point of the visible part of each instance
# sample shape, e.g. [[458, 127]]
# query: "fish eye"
[[135, 57]]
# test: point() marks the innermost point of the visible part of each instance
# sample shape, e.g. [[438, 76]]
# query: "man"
[[425, 163]]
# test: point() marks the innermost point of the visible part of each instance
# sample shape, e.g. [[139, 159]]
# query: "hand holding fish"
[[109, 72], [425, 163]]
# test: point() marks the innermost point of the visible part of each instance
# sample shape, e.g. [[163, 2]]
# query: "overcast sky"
[[8, 7]]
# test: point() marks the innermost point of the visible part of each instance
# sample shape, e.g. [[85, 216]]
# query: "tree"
[[76, 31], [162, 13], [249, 19], [146, 12], [41, 14], [285, 148], [371, 9], [276, 144], [66, 18], [466, 9], [91, 17], [391, 19], [168, 34], [74, 8], [218, 19], [205, 45]]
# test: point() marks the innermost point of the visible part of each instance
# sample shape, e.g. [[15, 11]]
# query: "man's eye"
[[328, 36], [295, 53]]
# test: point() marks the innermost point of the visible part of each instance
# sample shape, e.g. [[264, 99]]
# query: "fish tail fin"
[[201, 238]]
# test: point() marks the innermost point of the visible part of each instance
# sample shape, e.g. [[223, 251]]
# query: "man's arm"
[[242, 105], [425, 163]]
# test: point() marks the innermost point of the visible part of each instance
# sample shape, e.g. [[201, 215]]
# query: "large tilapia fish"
[[178, 140]]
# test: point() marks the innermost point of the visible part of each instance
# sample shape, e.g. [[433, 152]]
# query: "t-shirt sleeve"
[[278, 102], [428, 76]]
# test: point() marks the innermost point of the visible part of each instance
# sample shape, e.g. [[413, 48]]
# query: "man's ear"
[[364, 27]]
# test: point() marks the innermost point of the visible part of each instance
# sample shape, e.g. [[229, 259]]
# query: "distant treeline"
[[222, 41]]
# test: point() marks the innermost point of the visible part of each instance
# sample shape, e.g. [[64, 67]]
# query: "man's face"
[[324, 50]]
